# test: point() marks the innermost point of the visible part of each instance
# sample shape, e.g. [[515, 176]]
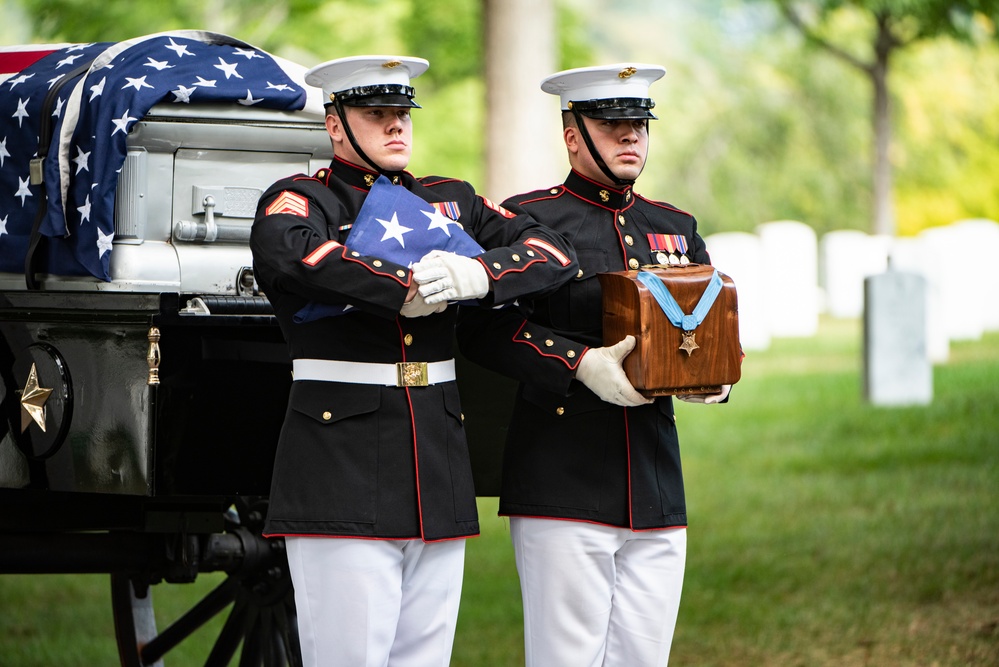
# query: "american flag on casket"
[[91, 117]]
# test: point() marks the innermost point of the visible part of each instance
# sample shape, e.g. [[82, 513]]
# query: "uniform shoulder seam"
[[662, 204]]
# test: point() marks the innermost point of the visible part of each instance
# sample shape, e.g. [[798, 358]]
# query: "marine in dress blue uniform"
[[372, 486], [592, 478]]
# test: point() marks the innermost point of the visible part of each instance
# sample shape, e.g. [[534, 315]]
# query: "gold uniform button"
[[560, 411], [620, 220], [530, 253], [497, 265], [579, 274], [400, 273], [628, 239], [633, 263], [571, 354], [554, 191], [515, 257], [408, 339], [527, 334], [549, 342], [355, 254], [377, 262], [327, 416]]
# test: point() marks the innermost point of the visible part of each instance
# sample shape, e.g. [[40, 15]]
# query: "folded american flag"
[[92, 116], [396, 225]]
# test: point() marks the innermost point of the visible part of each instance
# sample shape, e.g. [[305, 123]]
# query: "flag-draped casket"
[[143, 359], [114, 121]]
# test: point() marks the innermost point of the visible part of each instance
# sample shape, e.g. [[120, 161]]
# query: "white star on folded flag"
[[440, 221], [393, 230]]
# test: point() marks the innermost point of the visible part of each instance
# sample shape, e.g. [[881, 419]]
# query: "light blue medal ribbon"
[[675, 314]]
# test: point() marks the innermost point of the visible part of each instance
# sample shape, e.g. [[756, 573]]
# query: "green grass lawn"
[[823, 531]]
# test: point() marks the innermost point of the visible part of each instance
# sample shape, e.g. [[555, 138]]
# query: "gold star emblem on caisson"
[[688, 345], [33, 400]]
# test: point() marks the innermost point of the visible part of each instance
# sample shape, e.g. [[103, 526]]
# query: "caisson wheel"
[[255, 598]]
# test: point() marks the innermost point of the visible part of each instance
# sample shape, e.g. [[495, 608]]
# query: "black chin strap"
[[596, 155], [391, 175]]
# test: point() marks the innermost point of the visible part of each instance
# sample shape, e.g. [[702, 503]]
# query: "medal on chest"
[[668, 249]]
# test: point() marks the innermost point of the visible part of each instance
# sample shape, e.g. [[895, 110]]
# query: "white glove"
[[418, 307], [601, 371], [707, 398], [445, 276]]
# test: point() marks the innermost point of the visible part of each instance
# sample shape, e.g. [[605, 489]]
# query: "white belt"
[[404, 374]]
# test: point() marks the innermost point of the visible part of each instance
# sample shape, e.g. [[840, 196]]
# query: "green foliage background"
[[754, 125]]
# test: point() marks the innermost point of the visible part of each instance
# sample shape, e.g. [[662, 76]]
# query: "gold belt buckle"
[[412, 373]]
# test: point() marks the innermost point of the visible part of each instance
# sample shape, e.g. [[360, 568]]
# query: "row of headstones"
[[786, 277]]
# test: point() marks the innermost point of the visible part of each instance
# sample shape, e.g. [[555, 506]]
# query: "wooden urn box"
[[682, 358]]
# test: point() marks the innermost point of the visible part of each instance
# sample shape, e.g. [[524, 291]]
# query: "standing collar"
[[356, 175], [598, 194]]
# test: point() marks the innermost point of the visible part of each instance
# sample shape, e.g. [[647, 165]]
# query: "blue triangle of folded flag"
[[396, 225]]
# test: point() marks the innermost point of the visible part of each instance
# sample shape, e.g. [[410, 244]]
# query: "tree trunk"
[[884, 208], [524, 150]]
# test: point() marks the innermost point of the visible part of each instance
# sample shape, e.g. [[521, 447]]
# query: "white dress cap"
[[342, 74], [621, 80]]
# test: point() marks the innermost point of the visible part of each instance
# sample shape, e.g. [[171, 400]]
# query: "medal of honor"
[[682, 321], [688, 345]]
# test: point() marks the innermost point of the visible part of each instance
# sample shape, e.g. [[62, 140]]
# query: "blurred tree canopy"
[[754, 125], [892, 25]]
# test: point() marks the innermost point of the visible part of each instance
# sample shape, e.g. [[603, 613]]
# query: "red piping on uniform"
[[443, 180], [661, 204], [517, 339], [590, 521], [393, 276], [412, 423], [366, 537], [518, 269], [313, 260], [561, 191], [306, 178], [620, 239], [600, 185]]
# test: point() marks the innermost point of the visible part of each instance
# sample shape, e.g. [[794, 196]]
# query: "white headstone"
[[897, 370], [737, 254], [980, 251], [789, 257], [911, 254], [954, 280], [846, 258]]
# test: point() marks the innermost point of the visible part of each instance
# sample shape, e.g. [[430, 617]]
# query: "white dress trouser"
[[376, 603], [595, 595]]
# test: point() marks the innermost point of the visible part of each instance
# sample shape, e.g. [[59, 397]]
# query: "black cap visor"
[[618, 108], [385, 95]]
